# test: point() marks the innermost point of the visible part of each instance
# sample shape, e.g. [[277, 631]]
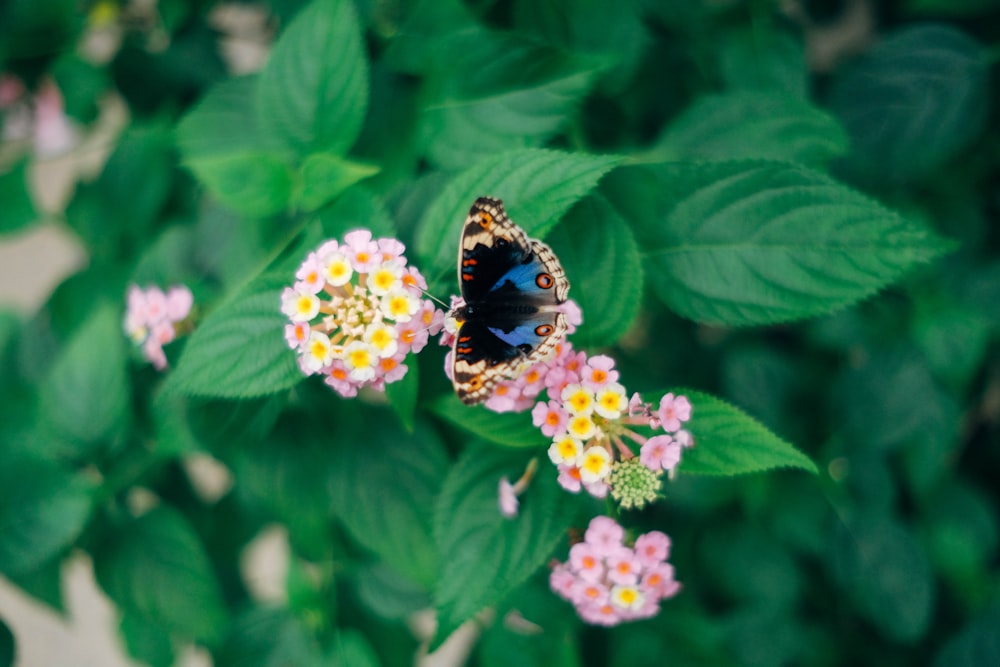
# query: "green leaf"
[[85, 396], [601, 258], [8, 648], [351, 649], [43, 509], [729, 442], [745, 243], [314, 89], [537, 186], [156, 568], [239, 351], [358, 207], [975, 645], [222, 143], [913, 102], [147, 641], [403, 394], [487, 555], [325, 176], [763, 57], [747, 124], [509, 429], [137, 179], [880, 568], [18, 210], [267, 637], [498, 92], [382, 482], [955, 8]]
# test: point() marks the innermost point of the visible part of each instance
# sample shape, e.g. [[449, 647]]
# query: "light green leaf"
[[487, 555], [324, 176], [85, 396], [913, 102], [403, 393], [601, 258], [744, 243], [881, 568], [156, 567], [727, 441], [18, 210], [314, 89], [509, 429], [43, 508], [498, 93], [537, 187], [746, 124], [255, 184], [239, 351]]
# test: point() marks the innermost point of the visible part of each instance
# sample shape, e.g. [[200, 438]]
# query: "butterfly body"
[[513, 288]]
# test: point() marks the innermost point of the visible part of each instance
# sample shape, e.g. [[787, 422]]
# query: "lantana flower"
[[610, 582], [154, 318], [356, 310]]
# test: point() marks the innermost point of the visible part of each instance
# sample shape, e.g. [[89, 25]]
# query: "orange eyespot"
[[544, 280], [544, 329], [485, 219]]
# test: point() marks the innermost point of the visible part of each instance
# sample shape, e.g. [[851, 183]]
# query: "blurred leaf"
[[85, 397], [222, 143], [18, 210], [509, 429], [744, 124], [147, 641], [882, 570], [428, 22], [955, 8], [912, 102], [744, 243], [267, 637], [43, 508], [387, 593], [484, 555], [729, 442], [156, 568], [325, 176], [43, 581], [975, 645], [601, 258], [314, 89], [8, 648], [357, 208], [954, 340], [537, 186], [382, 483], [351, 649], [763, 57], [239, 350], [752, 567], [136, 180], [497, 94]]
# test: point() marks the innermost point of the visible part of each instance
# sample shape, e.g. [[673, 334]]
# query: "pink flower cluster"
[[38, 117], [154, 318], [356, 311], [590, 418], [609, 582]]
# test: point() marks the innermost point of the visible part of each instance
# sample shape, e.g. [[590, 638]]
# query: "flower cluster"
[[609, 582], [590, 419], [38, 117], [356, 311], [154, 318]]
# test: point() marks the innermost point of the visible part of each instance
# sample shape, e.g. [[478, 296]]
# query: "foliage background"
[[734, 186]]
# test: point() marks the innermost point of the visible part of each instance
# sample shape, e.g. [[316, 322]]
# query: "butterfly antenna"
[[430, 296]]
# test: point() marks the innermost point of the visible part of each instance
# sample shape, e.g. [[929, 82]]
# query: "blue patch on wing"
[[522, 277]]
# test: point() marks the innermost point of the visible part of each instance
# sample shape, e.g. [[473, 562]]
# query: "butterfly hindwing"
[[512, 287]]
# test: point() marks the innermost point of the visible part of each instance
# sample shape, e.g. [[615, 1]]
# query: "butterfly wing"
[[512, 286]]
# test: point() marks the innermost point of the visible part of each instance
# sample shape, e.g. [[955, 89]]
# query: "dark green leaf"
[[729, 442], [18, 210], [156, 568], [239, 351], [486, 555], [975, 645], [43, 508], [509, 429], [601, 258], [744, 243], [267, 637], [147, 641], [356, 208], [403, 394], [881, 568], [314, 89], [8, 648], [85, 397], [382, 482], [499, 93], [324, 176], [912, 102], [762, 57], [537, 186], [744, 124]]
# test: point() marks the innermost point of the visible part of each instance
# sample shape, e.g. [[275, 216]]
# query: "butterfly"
[[513, 288]]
